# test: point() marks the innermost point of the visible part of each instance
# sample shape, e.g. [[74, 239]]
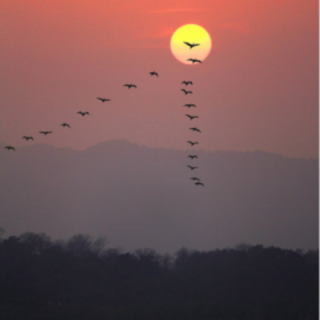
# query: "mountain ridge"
[[143, 197]]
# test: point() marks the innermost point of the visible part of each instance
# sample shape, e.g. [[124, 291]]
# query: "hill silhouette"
[[142, 197]]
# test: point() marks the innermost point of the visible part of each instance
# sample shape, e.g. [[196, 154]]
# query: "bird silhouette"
[[193, 143], [10, 148], [194, 129], [191, 45], [192, 156], [103, 99], [191, 117], [185, 91], [27, 138], [194, 60], [186, 82], [83, 113], [191, 167], [153, 73], [130, 85], [199, 183], [65, 125], [188, 105], [45, 132], [194, 179]]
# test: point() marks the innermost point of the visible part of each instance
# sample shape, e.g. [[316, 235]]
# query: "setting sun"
[[198, 43]]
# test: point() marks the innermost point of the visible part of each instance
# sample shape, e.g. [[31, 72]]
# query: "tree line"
[[81, 278]]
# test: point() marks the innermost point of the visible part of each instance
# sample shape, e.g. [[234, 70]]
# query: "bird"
[[10, 148], [185, 91], [130, 86], [103, 99], [191, 117], [194, 129], [192, 168], [188, 105], [83, 113], [27, 138], [191, 45], [45, 132], [199, 183], [192, 156], [65, 125], [194, 60], [187, 82], [153, 73], [195, 178], [193, 143]]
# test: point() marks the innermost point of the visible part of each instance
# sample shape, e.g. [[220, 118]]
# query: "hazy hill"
[[142, 197]]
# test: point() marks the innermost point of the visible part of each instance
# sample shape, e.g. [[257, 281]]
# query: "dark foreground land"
[[80, 279]]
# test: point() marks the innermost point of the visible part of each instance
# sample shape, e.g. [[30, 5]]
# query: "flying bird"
[[193, 143], [103, 99], [199, 183], [187, 82], [192, 168], [83, 113], [27, 138], [190, 105], [153, 73], [191, 117], [130, 86], [195, 178], [45, 132], [10, 148], [185, 91], [191, 45], [192, 156], [194, 129], [65, 125], [194, 60]]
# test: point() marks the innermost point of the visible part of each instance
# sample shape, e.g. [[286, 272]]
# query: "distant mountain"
[[142, 197]]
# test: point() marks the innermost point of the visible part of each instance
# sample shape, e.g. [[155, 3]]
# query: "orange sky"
[[257, 90]]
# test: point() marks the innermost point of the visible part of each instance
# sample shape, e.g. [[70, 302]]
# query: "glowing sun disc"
[[192, 34]]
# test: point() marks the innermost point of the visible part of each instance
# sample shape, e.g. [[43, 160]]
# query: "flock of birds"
[[196, 180], [153, 73]]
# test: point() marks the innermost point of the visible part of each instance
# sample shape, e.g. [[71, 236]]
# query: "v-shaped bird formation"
[[129, 86]]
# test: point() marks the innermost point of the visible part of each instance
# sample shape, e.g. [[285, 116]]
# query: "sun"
[[192, 34]]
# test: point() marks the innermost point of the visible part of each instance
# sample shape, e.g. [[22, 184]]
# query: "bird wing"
[[187, 43]]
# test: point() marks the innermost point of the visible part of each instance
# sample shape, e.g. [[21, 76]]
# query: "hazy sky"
[[257, 90]]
